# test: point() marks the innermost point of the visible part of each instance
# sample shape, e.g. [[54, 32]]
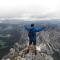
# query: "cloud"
[[27, 8]]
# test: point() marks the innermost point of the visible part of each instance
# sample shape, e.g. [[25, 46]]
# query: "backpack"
[[29, 33]]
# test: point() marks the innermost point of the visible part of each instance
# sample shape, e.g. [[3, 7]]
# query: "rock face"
[[48, 45], [29, 56]]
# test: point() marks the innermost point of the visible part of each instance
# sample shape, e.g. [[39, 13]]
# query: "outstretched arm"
[[27, 28], [39, 29]]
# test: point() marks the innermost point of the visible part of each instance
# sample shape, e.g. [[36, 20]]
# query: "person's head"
[[32, 25]]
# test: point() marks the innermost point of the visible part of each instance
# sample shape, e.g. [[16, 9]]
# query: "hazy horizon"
[[30, 9]]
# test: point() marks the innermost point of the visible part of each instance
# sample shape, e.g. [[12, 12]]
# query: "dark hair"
[[32, 25]]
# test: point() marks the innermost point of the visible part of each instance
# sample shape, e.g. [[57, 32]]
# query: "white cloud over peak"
[[27, 8]]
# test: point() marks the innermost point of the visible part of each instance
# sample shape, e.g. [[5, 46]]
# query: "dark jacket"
[[32, 31]]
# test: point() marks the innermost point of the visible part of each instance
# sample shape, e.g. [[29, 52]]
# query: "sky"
[[30, 9]]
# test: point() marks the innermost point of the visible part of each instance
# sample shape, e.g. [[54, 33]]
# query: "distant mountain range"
[[50, 37], [56, 21]]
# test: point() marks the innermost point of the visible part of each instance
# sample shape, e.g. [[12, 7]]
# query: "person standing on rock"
[[32, 35]]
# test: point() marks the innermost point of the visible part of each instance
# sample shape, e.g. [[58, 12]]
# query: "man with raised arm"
[[32, 35]]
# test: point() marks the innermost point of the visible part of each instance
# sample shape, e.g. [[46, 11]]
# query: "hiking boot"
[[27, 51], [35, 52]]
